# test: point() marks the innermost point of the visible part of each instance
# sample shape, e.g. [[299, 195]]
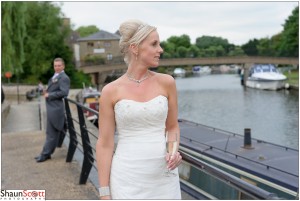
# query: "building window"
[[98, 44], [89, 44], [109, 56], [107, 44]]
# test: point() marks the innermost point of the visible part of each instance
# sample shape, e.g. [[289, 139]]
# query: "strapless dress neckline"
[[152, 99]]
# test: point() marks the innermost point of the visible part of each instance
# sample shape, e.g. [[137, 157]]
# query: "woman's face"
[[149, 50]]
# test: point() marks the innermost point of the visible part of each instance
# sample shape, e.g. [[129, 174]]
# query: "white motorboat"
[[266, 76], [179, 72]]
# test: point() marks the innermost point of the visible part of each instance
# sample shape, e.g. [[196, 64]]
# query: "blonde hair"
[[132, 32]]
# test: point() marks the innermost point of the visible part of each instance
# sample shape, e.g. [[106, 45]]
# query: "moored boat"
[[266, 76], [271, 167], [202, 70], [179, 72], [89, 97]]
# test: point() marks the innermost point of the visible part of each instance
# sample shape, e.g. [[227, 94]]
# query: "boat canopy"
[[262, 68]]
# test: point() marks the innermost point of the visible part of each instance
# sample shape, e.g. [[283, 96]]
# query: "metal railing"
[[86, 143]]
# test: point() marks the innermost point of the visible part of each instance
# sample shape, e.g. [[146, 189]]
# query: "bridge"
[[100, 72]]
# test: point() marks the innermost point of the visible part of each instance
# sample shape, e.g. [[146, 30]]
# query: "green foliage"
[[193, 51], [87, 30], [183, 40], [293, 77], [267, 47], [177, 47], [45, 39], [161, 70], [93, 59], [77, 78], [237, 51], [33, 35], [250, 48], [208, 41], [285, 43], [289, 44], [13, 32]]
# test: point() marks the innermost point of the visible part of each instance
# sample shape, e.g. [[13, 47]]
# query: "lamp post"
[[18, 88], [18, 94]]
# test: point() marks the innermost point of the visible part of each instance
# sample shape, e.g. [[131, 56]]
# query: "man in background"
[[58, 88]]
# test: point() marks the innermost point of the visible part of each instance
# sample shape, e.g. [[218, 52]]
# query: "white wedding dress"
[[139, 163]]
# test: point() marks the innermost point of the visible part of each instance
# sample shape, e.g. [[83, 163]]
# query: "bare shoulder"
[[109, 91], [165, 79]]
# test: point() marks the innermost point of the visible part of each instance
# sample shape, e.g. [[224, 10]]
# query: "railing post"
[[73, 138], [88, 159]]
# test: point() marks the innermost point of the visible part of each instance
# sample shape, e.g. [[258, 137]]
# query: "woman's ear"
[[134, 49]]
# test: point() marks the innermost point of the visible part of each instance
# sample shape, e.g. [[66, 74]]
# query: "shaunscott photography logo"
[[23, 195]]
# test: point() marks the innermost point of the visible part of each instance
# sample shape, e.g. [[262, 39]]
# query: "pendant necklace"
[[131, 78]]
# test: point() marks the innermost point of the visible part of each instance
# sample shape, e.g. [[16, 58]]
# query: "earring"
[[136, 57]]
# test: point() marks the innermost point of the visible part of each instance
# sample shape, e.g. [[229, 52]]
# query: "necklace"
[[131, 78]]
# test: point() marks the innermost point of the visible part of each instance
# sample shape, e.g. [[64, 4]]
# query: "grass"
[[293, 77]]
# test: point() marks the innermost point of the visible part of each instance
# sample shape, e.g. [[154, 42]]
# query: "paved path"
[[21, 140]]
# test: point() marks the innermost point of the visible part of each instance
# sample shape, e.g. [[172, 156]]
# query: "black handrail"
[[88, 161]]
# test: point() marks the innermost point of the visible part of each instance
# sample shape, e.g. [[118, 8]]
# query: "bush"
[[94, 59]]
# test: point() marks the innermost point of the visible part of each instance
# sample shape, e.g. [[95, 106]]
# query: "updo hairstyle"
[[132, 32]]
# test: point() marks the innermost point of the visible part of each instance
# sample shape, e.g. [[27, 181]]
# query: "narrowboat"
[[270, 167]]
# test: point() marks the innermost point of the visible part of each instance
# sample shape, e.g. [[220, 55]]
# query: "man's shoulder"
[[64, 75]]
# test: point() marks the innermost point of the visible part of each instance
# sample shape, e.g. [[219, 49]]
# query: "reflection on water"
[[220, 101]]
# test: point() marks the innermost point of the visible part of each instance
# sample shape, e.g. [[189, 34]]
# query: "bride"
[[142, 106]]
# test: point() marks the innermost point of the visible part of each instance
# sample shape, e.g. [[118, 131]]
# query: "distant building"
[[71, 41], [98, 48]]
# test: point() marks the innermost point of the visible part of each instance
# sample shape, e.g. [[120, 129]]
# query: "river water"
[[220, 101]]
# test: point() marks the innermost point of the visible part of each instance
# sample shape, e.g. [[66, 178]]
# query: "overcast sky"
[[238, 22]]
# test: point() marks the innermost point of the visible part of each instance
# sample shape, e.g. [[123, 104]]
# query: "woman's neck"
[[137, 73]]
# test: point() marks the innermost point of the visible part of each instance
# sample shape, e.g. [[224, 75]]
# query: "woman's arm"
[[105, 143], [172, 126]]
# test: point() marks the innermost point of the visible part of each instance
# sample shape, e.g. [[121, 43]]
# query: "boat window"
[[273, 69], [258, 69]]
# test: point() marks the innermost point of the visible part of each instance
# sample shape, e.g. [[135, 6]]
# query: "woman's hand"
[[173, 160]]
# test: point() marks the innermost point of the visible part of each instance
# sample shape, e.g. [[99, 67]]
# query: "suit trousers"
[[52, 138]]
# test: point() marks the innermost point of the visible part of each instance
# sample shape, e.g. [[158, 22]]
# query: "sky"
[[236, 21]]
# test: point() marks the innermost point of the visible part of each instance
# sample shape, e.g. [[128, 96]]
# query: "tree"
[[269, 47], [250, 48], [183, 40], [193, 51], [33, 35], [45, 40], [204, 42], [289, 45], [13, 35], [87, 30], [169, 49], [182, 52], [237, 51]]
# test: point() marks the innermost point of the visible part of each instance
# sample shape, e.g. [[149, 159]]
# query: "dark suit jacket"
[[57, 90]]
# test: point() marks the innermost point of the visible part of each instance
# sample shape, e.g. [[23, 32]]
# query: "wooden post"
[[246, 71]]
